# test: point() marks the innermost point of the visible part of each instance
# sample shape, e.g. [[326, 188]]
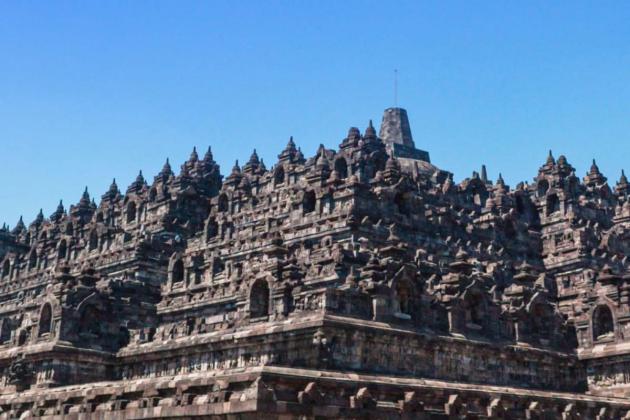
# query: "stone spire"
[[166, 172], [137, 185], [299, 156], [594, 168], [236, 169], [289, 152], [208, 169], [354, 134], [594, 176], [623, 187], [85, 198], [140, 178], [392, 170], [322, 166], [254, 159], [39, 218], [235, 176], [550, 159], [562, 161], [58, 213], [193, 155], [190, 165], [112, 192], [19, 227], [166, 169], [353, 138], [252, 164], [84, 209], [208, 158], [370, 131], [185, 172], [290, 145], [396, 134], [395, 128]]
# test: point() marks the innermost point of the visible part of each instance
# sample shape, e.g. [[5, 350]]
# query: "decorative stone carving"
[[366, 264]]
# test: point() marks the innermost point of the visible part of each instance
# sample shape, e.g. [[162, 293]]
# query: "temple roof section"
[[396, 134]]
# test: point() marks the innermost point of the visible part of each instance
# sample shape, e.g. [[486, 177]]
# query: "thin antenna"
[[396, 87]]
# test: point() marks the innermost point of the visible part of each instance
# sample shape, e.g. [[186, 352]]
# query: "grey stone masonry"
[[396, 134], [362, 282]]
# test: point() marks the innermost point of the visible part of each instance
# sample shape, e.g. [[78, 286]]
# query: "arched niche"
[[403, 297], [5, 331], [92, 240], [45, 320], [259, 299], [222, 203], [341, 167], [475, 309], [402, 204], [62, 249], [6, 268], [131, 212], [90, 320], [542, 187], [177, 272], [308, 202], [278, 176], [603, 324], [553, 204], [32, 260], [541, 320], [212, 229]]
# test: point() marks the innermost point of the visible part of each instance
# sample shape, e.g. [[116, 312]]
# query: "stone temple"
[[361, 282]]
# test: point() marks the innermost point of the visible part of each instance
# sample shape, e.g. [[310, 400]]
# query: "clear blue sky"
[[95, 90]]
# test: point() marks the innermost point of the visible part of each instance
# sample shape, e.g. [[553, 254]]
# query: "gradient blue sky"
[[95, 90]]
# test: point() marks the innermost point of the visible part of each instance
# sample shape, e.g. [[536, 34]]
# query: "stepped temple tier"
[[361, 282]]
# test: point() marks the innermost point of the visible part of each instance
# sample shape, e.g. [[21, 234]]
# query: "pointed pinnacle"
[[167, 167], [208, 156], [594, 167], [370, 131]]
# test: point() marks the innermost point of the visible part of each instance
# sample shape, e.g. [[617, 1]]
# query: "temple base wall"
[[287, 393]]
